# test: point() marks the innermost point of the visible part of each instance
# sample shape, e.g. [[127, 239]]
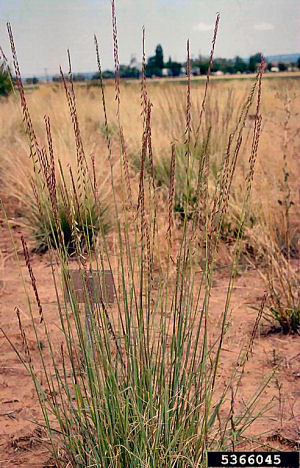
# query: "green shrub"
[[5, 81]]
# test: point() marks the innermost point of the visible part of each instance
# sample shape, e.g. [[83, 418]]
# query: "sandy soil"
[[21, 444]]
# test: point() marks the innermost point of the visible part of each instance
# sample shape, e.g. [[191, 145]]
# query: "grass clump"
[[138, 383], [287, 317], [185, 203], [65, 205], [284, 298], [75, 222]]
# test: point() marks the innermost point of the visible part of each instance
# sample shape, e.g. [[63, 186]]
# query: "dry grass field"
[[207, 312], [279, 143]]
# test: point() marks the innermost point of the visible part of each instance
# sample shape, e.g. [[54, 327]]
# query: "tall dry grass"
[[139, 384], [168, 123]]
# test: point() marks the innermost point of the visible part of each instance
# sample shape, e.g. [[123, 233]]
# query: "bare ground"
[[21, 444]]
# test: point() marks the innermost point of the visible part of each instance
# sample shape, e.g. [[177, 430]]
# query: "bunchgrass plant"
[[138, 383], [89, 218], [283, 288]]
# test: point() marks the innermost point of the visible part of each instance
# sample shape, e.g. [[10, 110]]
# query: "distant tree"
[[298, 63], [5, 82], [203, 67], [152, 69], [108, 74], [155, 64], [159, 57], [78, 77], [174, 67], [253, 61], [216, 66], [282, 66], [105, 74], [269, 66], [33, 80], [239, 65], [220, 64], [126, 71], [228, 68], [224, 65]]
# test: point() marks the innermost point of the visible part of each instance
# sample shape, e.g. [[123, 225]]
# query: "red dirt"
[[20, 444]]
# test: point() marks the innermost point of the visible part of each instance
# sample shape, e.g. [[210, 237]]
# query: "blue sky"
[[44, 29]]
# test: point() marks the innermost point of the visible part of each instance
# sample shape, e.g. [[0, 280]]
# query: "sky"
[[45, 29]]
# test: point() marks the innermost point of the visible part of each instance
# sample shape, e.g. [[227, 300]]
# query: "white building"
[[166, 72]]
